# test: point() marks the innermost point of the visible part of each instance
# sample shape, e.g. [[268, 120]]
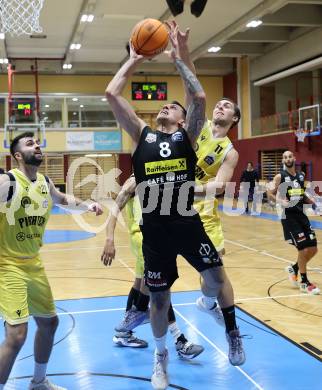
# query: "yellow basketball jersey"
[[23, 219], [133, 214], [211, 153]]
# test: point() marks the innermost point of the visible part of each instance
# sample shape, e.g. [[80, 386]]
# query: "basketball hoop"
[[20, 16], [300, 134]]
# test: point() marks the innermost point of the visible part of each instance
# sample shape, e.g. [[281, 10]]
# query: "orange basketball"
[[149, 37]]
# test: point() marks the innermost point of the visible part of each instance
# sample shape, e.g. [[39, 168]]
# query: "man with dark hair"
[[164, 167], [26, 198], [250, 176], [2, 171]]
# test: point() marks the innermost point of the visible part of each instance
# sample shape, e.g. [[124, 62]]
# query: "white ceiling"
[[223, 23]]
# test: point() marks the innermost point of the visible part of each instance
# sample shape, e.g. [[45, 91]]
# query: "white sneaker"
[[160, 379], [44, 385], [216, 312], [309, 288], [292, 277]]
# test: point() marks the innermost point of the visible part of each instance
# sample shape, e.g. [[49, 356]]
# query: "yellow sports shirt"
[[24, 217], [211, 153]]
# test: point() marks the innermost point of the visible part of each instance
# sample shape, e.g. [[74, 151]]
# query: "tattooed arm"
[[196, 114], [197, 108]]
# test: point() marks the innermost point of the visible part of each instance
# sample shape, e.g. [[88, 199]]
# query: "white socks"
[[175, 331], [210, 302], [160, 344], [39, 372]]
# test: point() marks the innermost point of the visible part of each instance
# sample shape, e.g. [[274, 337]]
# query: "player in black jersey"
[[164, 167], [289, 192]]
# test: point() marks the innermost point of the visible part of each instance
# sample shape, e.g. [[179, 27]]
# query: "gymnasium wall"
[[91, 84], [309, 151]]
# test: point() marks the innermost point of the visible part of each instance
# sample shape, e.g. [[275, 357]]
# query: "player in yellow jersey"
[[217, 160], [138, 299], [26, 198]]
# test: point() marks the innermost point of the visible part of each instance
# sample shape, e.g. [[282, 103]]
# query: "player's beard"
[[290, 164], [31, 159]]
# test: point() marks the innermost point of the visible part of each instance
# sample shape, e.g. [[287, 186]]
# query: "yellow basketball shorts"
[[208, 212], [136, 246], [24, 290], [216, 235]]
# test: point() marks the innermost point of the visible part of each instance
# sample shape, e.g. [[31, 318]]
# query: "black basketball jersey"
[[295, 190], [164, 168]]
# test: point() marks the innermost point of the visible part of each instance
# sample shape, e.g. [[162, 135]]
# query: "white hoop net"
[[20, 16], [300, 134]]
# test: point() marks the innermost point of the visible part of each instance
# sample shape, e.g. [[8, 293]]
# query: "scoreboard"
[[149, 91]]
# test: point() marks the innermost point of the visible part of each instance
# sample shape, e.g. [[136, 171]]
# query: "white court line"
[[218, 349], [265, 253], [126, 266], [190, 303]]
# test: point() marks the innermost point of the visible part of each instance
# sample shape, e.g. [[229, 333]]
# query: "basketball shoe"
[[44, 385], [309, 288], [126, 339], [292, 276], [186, 349], [236, 352], [215, 312]]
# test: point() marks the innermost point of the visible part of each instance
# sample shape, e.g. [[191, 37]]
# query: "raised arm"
[[197, 109], [183, 51], [122, 198], [122, 109]]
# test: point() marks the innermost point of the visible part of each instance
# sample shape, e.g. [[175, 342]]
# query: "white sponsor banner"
[[79, 140]]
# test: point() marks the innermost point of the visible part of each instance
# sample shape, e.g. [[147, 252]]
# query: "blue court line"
[[86, 358], [271, 217], [55, 236]]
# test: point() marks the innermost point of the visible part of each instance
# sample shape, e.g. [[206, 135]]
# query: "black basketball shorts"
[[298, 231], [164, 238]]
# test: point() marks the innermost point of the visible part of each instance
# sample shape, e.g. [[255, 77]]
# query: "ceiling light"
[[254, 23], [67, 66], [2, 36], [214, 49], [74, 113], [75, 46], [43, 113], [75, 99], [81, 106], [87, 18], [104, 99], [4, 60], [47, 105]]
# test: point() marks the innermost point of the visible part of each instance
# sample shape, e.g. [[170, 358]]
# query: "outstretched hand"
[[134, 55], [178, 40]]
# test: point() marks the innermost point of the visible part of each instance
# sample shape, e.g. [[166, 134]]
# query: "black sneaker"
[[186, 349]]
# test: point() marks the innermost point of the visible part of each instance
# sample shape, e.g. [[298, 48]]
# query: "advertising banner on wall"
[[107, 140], [90, 140], [79, 140]]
